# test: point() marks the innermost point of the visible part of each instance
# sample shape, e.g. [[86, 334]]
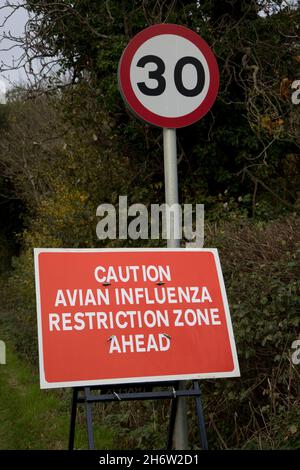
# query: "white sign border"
[[131, 380]]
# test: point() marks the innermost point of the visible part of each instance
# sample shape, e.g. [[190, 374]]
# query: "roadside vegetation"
[[68, 144]]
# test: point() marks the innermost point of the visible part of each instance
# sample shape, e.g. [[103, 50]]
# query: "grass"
[[31, 418]]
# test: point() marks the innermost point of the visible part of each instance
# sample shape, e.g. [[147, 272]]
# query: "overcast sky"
[[16, 26]]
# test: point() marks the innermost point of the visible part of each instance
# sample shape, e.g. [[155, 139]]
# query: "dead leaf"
[[285, 88]]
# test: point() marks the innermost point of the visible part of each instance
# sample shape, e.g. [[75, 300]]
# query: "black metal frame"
[[107, 394]]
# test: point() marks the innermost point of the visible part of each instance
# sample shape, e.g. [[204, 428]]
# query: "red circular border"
[[127, 91]]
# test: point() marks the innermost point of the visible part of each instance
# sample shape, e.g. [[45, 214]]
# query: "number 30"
[[161, 82]]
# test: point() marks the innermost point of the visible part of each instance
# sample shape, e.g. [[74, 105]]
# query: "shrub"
[[260, 265]]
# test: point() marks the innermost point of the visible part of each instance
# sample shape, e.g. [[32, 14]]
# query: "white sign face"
[[184, 65], [168, 76]]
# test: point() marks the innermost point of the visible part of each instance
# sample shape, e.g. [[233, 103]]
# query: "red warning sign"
[[132, 315]]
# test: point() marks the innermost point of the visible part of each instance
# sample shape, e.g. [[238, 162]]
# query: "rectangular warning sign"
[[113, 316]]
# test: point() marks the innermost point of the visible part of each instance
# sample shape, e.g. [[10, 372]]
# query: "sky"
[[16, 25]]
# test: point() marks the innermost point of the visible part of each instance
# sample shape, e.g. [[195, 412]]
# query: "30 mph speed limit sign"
[[168, 76]]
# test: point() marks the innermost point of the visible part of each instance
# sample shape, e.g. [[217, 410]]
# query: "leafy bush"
[[261, 270], [260, 409]]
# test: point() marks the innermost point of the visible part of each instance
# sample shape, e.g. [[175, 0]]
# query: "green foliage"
[[261, 266], [246, 141]]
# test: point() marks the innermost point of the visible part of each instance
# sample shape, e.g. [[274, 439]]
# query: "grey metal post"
[[171, 190]]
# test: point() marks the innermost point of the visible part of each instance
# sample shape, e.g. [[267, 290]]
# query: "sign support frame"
[[106, 393]]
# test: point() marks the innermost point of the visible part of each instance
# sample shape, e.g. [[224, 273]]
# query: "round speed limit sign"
[[168, 76]]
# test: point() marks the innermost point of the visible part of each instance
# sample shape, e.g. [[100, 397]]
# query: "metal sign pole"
[[173, 229]]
